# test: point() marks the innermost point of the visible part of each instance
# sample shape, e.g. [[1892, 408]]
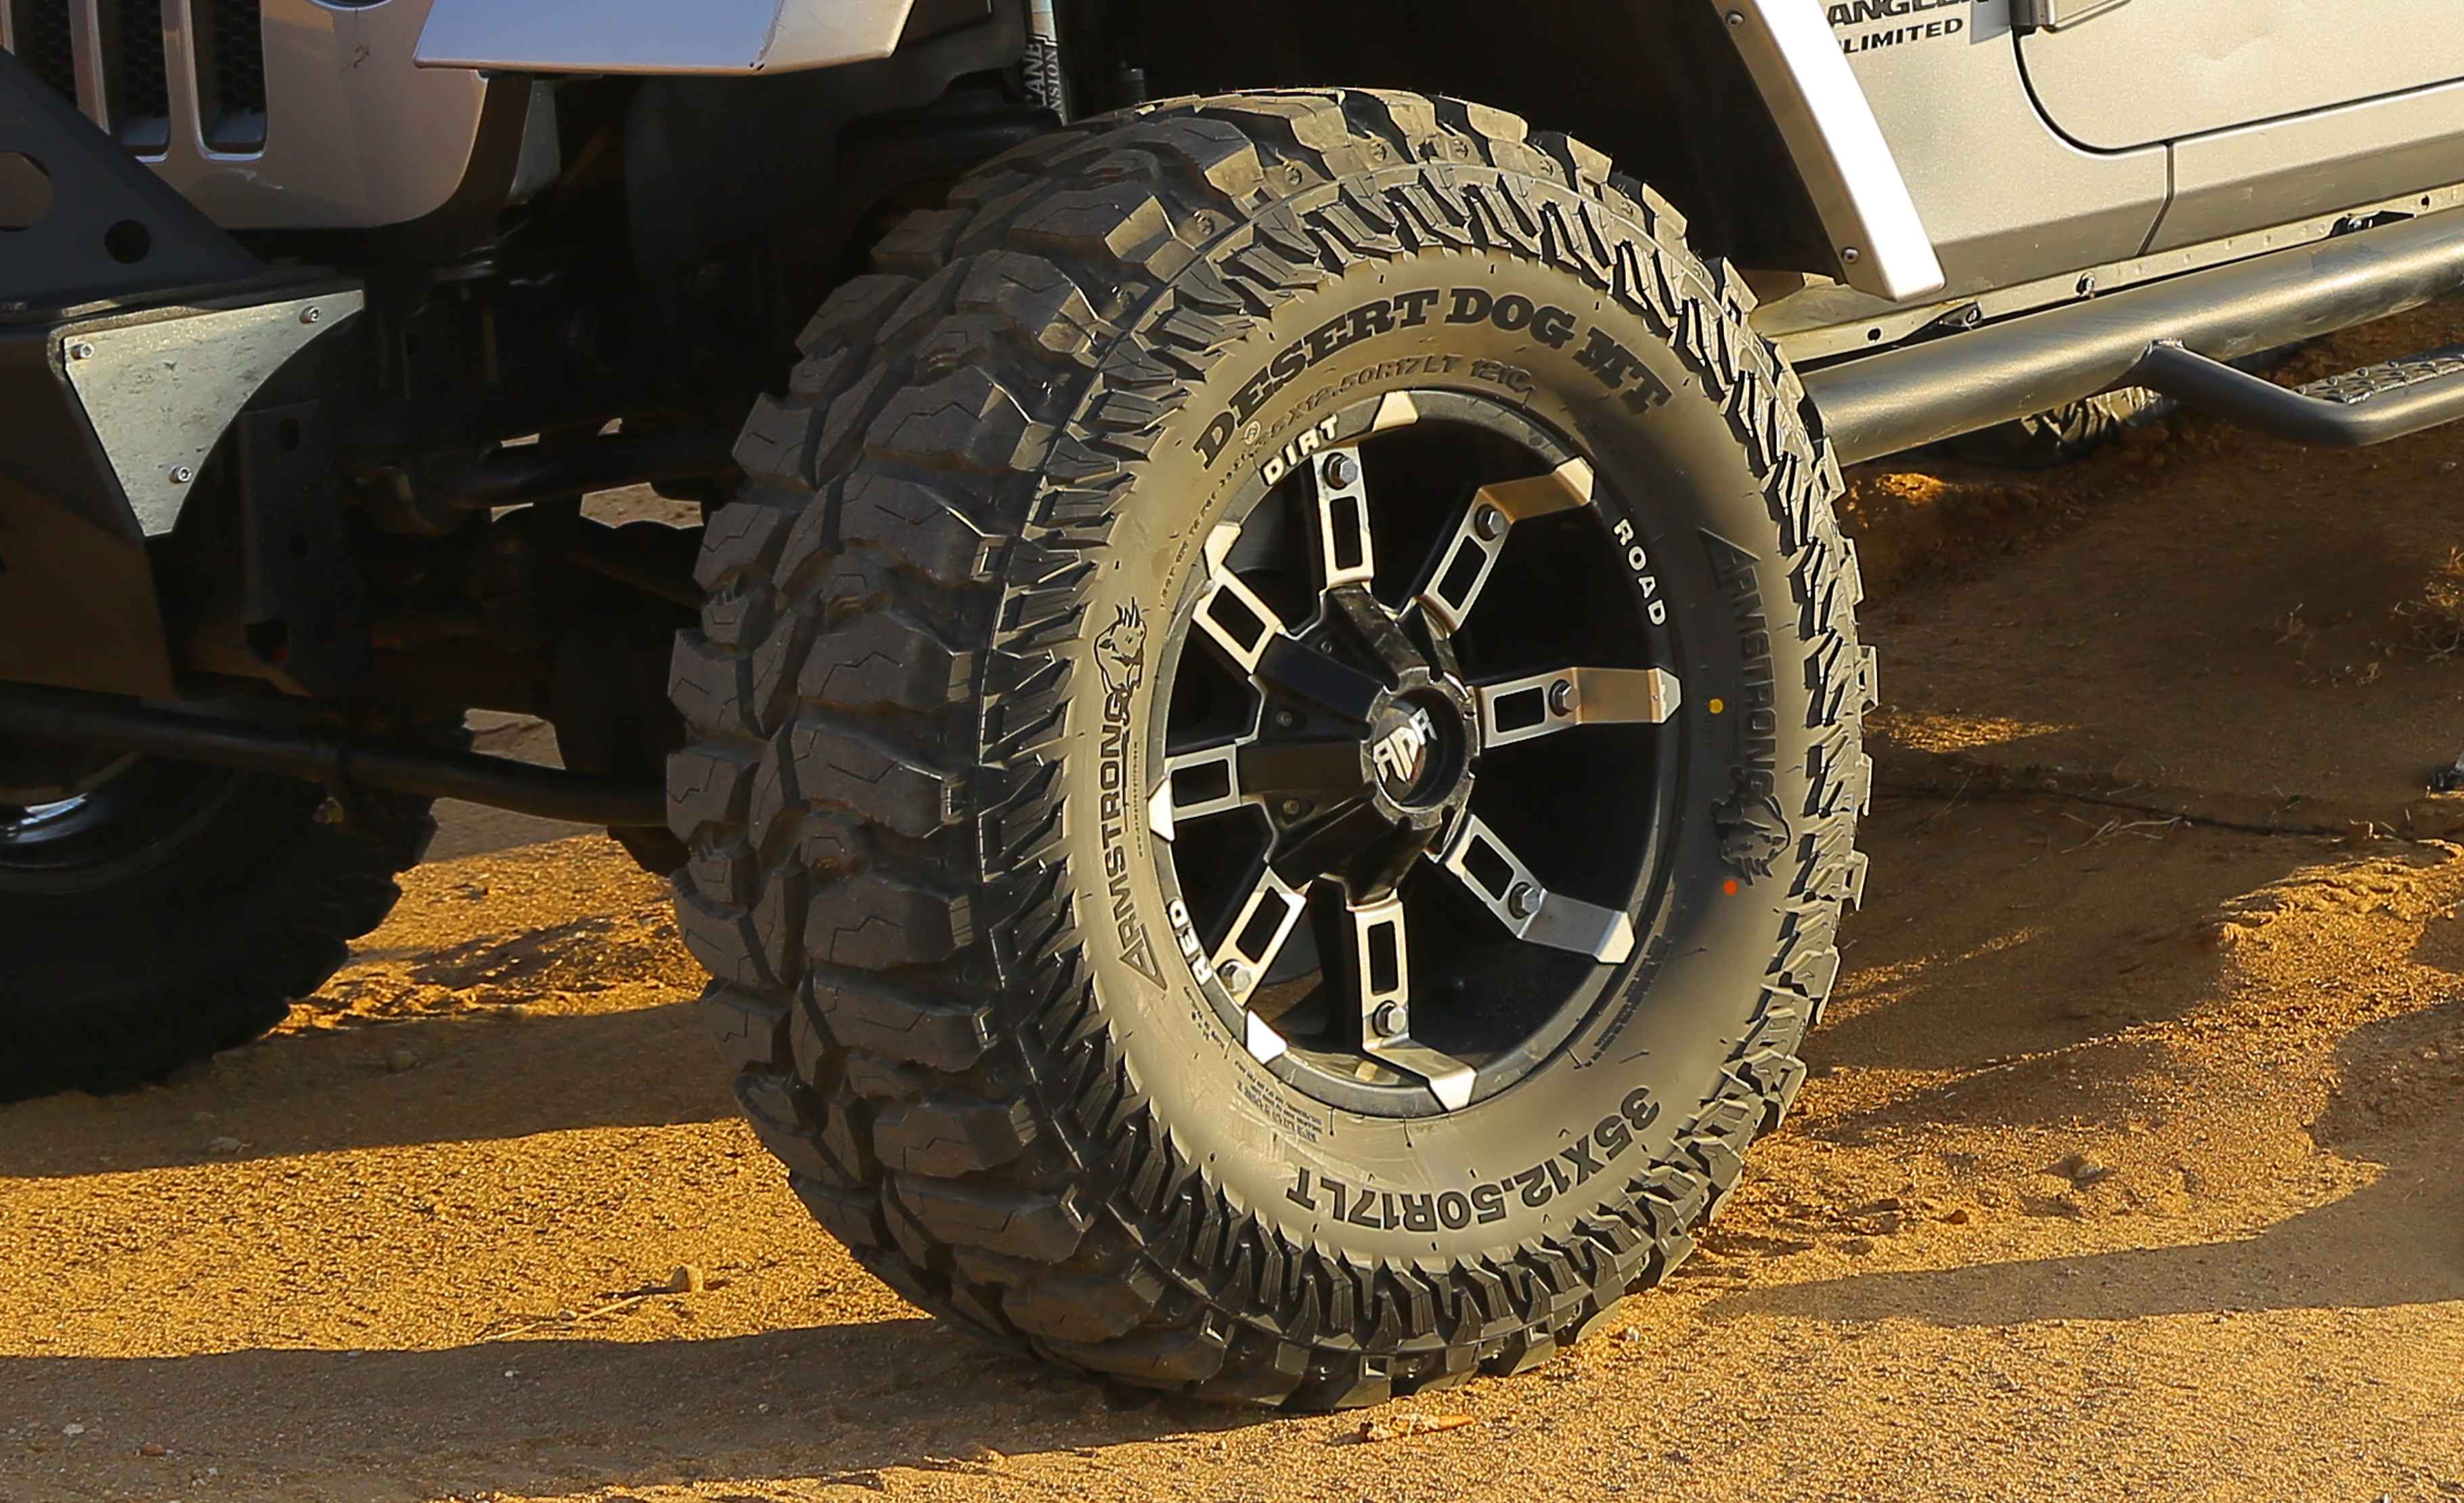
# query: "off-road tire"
[[204, 949], [2072, 431], [891, 773]]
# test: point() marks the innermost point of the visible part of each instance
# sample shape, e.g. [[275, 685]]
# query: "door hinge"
[[2053, 16]]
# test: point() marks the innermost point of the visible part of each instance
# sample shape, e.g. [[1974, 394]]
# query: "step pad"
[[2394, 375]]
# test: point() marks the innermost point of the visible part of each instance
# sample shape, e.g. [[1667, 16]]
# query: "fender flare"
[[709, 38], [1831, 134]]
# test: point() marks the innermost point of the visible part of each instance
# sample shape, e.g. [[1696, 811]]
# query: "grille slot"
[[115, 49], [141, 87], [40, 29], [230, 73]]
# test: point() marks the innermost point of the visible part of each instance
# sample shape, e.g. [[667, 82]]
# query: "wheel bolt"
[[1524, 901], [1561, 696], [1294, 808], [1287, 720], [1341, 471], [1387, 1022], [1489, 522]]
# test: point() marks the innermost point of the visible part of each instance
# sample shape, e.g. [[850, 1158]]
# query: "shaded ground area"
[[2128, 1166]]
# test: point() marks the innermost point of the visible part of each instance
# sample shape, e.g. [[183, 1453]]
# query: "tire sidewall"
[[1674, 463]]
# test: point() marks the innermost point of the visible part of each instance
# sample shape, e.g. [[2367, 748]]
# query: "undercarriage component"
[[340, 763], [523, 474]]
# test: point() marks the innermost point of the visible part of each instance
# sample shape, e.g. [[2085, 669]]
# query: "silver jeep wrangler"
[[1260, 728]]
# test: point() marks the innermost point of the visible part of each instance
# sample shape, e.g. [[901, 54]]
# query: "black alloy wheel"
[[1408, 648]]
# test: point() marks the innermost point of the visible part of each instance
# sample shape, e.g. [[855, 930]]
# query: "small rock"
[[1963, 1215], [1857, 1246], [399, 1059], [1630, 1334], [1889, 1223], [149, 1448], [1403, 1426], [984, 1455], [686, 1279], [2082, 1169], [222, 1145], [72, 1429]]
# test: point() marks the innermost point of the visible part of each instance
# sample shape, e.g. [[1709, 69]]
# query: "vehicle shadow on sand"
[[823, 1405], [481, 1073]]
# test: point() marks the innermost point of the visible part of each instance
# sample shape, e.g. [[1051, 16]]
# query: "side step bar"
[[1877, 405], [2353, 411], [340, 763]]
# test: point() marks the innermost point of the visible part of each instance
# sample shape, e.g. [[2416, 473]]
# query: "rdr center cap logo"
[[1402, 753]]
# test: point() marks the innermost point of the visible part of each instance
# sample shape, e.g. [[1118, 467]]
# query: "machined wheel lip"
[[1416, 1080]]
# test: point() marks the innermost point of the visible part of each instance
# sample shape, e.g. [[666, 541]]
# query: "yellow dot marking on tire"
[[1718, 706]]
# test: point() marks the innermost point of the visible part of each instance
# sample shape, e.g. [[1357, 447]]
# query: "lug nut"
[[1387, 1022], [1489, 522], [1234, 975], [81, 351], [1524, 901], [1341, 471], [1294, 808], [311, 315], [1287, 720], [182, 475], [1561, 696]]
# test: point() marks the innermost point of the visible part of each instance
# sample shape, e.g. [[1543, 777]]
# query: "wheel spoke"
[[1506, 887], [1259, 931], [1382, 978], [1330, 844], [1453, 587], [1547, 703], [1229, 612], [1321, 772], [1198, 785], [1284, 663], [1347, 554]]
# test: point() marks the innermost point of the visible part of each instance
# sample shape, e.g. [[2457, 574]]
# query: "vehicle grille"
[[40, 40], [230, 73], [108, 57], [141, 87]]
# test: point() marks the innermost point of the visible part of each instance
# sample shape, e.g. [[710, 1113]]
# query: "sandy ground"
[[2127, 1169]]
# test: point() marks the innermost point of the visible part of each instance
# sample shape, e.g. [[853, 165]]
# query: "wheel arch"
[[1698, 100]]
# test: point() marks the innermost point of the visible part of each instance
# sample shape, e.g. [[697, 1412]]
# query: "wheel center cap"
[[1417, 749]]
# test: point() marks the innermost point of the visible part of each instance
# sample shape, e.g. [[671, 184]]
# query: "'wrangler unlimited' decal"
[[1864, 13]]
